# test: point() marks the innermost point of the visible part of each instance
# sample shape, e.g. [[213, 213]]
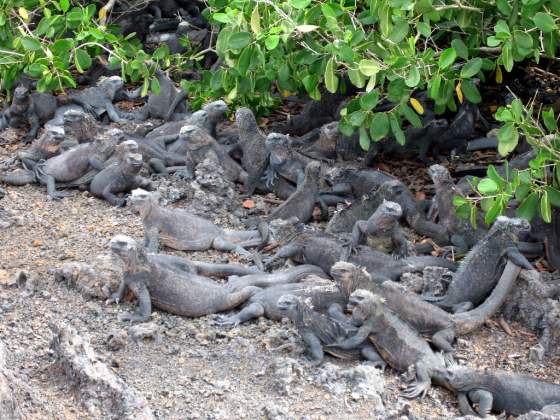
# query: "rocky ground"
[[189, 368]]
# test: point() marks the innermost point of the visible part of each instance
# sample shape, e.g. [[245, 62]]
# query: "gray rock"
[[116, 340], [536, 353], [143, 331]]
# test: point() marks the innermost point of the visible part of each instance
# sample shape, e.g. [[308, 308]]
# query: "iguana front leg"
[[401, 244], [96, 163], [118, 296], [151, 240], [422, 384], [465, 406], [484, 399], [138, 285], [254, 310], [356, 340], [369, 353], [358, 232], [34, 126], [51, 189], [518, 258], [315, 348], [180, 97], [111, 197], [113, 114]]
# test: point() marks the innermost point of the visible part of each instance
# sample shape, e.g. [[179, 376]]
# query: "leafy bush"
[[47, 40], [385, 48], [537, 188]]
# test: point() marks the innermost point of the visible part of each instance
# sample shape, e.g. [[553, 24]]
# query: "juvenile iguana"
[[43, 148], [121, 177], [382, 230], [499, 392], [181, 230]]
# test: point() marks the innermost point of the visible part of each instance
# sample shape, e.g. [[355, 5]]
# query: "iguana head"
[[456, 378], [330, 130], [288, 303], [55, 132], [127, 146], [245, 120], [511, 225], [437, 125], [128, 250], [350, 277], [440, 175], [195, 136], [118, 136], [111, 85], [73, 116], [142, 200], [364, 304], [392, 189], [21, 93], [390, 209], [216, 110], [132, 163], [313, 169], [183, 28], [200, 119], [276, 139]]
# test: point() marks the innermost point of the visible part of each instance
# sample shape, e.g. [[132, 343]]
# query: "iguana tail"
[[469, 321], [19, 177]]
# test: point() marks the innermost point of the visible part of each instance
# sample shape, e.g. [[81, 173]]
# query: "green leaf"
[[240, 40], [447, 58], [244, 61], [369, 100], [364, 139], [346, 129], [493, 174], [64, 5], [546, 209], [508, 137], [486, 186], [493, 212], [300, 4], [399, 32], [328, 11], [396, 129], [357, 118], [369, 67], [30, 44], [463, 212], [82, 60], [549, 120], [255, 20], [528, 208], [154, 86], [424, 29], [460, 48], [544, 22], [522, 191], [410, 115], [271, 42], [459, 200], [413, 77], [379, 126], [471, 68], [470, 91], [553, 196], [331, 79], [357, 78], [221, 17], [502, 27]]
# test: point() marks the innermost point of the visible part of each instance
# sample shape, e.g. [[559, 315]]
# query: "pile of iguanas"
[[344, 298]]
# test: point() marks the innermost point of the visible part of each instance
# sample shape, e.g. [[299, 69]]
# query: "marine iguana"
[[478, 272], [325, 250], [328, 143], [181, 230], [498, 391], [120, 178], [179, 293], [159, 159], [28, 109], [315, 114], [255, 155], [45, 147], [98, 100], [397, 343], [165, 103], [66, 167], [199, 145], [173, 40], [321, 332], [462, 234], [79, 126], [429, 320], [302, 202], [384, 230], [320, 292]]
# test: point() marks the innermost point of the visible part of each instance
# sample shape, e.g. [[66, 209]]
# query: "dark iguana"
[[121, 177], [79, 126], [164, 286], [66, 167], [165, 103], [28, 109], [302, 202], [321, 332], [429, 320], [397, 343], [478, 272], [382, 230], [325, 250], [181, 230], [499, 391], [460, 231], [255, 155], [98, 100], [198, 145]]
